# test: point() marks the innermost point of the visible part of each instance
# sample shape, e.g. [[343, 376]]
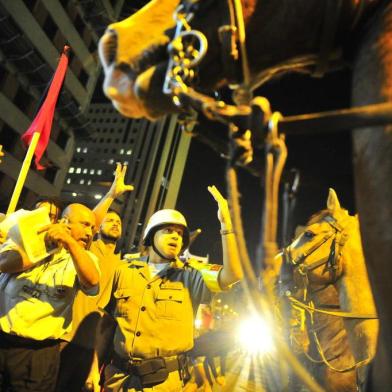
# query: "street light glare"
[[255, 336]]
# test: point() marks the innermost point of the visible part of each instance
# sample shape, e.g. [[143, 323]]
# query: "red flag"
[[42, 122]]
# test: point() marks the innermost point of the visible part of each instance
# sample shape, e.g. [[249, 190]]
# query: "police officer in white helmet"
[[155, 298]]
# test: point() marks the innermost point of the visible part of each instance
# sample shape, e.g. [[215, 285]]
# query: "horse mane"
[[318, 216]]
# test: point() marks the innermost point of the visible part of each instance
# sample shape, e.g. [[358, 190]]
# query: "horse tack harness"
[[232, 36], [339, 237], [338, 233], [184, 59]]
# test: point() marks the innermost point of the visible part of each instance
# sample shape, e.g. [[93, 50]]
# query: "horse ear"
[[333, 203]]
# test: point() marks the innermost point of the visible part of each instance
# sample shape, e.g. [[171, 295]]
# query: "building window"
[[81, 182], [71, 169], [78, 170]]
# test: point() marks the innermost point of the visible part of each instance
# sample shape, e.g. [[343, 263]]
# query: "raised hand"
[[223, 207], [118, 186], [59, 234]]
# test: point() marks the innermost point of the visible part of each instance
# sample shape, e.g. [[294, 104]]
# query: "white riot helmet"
[[163, 218]]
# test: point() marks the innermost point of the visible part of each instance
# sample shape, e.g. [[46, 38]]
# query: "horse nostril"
[[108, 47]]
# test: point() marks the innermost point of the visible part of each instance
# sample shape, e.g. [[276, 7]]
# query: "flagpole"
[[23, 173], [37, 135]]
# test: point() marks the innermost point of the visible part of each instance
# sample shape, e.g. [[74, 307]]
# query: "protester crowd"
[[82, 318]]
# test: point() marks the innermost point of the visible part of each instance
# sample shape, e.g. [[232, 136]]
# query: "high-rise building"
[[155, 153], [87, 138], [32, 35]]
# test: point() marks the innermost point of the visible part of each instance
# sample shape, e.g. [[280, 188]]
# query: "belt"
[[147, 373], [14, 341], [138, 366]]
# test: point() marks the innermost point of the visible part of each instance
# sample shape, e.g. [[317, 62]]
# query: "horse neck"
[[355, 296], [269, 44], [330, 330]]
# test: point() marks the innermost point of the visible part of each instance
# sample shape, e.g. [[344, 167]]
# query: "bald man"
[[36, 301]]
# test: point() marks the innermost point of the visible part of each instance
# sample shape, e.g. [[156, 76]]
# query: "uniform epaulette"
[[131, 256], [134, 259], [209, 272], [196, 264]]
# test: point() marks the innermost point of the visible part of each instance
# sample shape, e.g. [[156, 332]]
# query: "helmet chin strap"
[[159, 253]]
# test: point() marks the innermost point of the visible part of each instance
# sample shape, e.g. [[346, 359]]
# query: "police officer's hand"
[[223, 208], [118, 187]]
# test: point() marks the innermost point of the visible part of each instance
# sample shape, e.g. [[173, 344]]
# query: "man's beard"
[[107, 237]]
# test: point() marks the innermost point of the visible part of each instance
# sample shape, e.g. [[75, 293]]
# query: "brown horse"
[[329, 273], [280, 35]]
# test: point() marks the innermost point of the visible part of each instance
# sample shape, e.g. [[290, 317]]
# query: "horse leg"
[[372, 83]]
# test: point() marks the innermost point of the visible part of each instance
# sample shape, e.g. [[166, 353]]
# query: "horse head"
[[134, 56], [317, 254], [134, 51]]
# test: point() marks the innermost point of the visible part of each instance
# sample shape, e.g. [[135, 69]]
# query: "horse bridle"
[[339, 235], [234, 54], [184, 60]]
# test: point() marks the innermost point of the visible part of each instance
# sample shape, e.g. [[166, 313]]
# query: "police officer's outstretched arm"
[[232, 270]]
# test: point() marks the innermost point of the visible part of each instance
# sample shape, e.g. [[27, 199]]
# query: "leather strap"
[[350, 315], [130, 365]]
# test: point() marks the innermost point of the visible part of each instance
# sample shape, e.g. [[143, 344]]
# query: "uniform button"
[[138, 333], [143, 308], [148, 286]]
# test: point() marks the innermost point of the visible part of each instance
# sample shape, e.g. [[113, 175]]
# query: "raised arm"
[[116, 190], [232, 270]]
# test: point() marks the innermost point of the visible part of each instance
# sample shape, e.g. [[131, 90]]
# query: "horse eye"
[[309, 234]]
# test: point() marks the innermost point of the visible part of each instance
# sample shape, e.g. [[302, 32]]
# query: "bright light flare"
[[255, 336]]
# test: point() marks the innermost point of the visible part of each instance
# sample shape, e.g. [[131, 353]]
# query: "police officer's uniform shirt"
[[155, 315], [37, 303]]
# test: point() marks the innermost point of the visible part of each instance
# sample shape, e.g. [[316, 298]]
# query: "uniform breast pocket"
[[170, 302], [123, 298]]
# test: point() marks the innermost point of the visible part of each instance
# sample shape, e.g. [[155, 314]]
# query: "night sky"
[[324, 161]]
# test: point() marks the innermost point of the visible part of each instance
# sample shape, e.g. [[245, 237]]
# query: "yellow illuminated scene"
[[195, 196]]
